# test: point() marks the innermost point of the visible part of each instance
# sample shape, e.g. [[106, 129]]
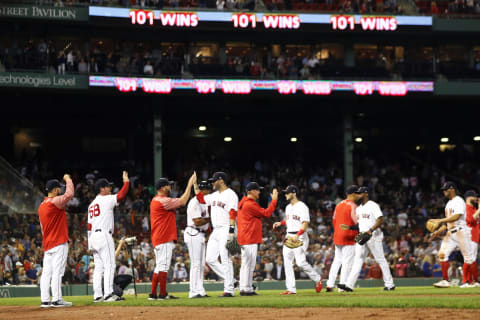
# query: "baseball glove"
[[292, 244], [362, 238], [432, 225], [233, 247]]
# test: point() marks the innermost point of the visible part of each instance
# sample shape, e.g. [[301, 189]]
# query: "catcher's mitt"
[[362, 238], [233, 247], [292, 244], [432, 225]]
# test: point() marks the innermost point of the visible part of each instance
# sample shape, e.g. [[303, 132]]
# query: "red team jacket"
[[474, 224], [53, 218], [249, 220], [162, 219], [344, 214]]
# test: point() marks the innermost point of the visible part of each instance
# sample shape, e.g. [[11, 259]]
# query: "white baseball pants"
[[376, 248], [461, 239], [54, 261], [215, 248], [163, 256], [343, 258], [103, 248], [249, 261], [299, 255], [195, 241]]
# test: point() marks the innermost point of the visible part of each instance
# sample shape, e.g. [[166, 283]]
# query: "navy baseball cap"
[[205, 185], [448, 185], [253, 186], [52, 184], [290, 189], [102, 183], [470, 193], [162, 182], [219, 175], [362, 190], [352, 189]]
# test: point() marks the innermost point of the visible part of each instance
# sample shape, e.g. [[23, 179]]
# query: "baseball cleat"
[[197, 296], [287, 293], [166, 297], [206, 296], [45, 305], [318, 286], [226, 295], [475, 285], [466, 285], [152, 296], [61, 304], [341, 286], [389, 289], [347, 289], [329, 289], [98, 299], [112, 298], [442, 284]]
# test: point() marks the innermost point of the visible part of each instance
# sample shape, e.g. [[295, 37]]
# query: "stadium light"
[[358, 139], [293, 139], [476, 138], [444, 139], [202, 128], [227, 139], [417, 148]]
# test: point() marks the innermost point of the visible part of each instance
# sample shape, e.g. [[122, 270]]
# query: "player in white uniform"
[[297, 217], [198, 223], [100, 241], [370, 218], [223, 211], [458, 234]]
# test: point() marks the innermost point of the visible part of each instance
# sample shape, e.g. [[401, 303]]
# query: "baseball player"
[[53, 222], [223, 212], [370, 218], [164, 232], [458, 234], [249, 233], [100, 241], [198, 222], [297, 217], [473, 222], [344, 240]]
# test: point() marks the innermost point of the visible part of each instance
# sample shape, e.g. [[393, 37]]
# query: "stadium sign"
[[42, 80], [43, 12], [250, 20], [234, 86]]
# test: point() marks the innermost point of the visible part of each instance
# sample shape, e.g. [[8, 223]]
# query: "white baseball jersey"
[[456, 206], [367, 215], [196, 210], [295, 215], [100, 212], [220, 205]]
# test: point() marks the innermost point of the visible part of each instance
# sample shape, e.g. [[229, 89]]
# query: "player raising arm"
[[53, 221], [100, 241]]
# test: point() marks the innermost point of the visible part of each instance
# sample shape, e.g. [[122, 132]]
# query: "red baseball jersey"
[[249, 220], [162, 219], [472, 223], [53, 218], [344, 214]]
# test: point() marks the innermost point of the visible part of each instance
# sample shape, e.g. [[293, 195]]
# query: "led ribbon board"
[[245, 20], [233, 86]]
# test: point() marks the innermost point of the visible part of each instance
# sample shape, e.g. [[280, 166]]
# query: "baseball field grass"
[[402, 297]]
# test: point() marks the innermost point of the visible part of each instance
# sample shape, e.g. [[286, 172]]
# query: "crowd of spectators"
[[408, 196], [262, 62]]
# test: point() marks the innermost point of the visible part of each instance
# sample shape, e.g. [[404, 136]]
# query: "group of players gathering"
[[234, 226]]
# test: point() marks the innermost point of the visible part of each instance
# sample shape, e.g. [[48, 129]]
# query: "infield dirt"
[[209, 313]]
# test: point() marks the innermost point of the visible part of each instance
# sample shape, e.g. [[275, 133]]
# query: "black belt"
[[100, 230], [455, 230], [199, 230], [293, 232]]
